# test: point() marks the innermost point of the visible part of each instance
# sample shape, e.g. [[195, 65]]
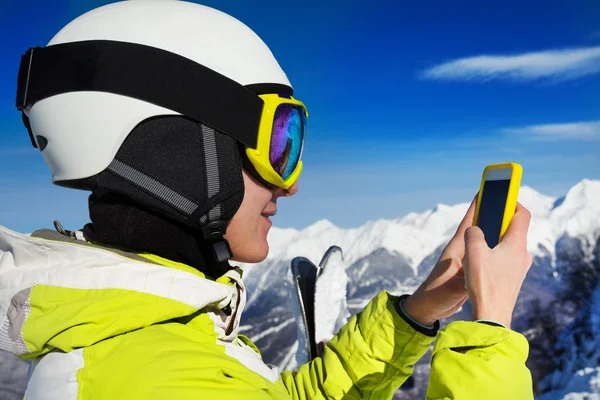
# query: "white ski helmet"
[[137, 66], [84, 130]]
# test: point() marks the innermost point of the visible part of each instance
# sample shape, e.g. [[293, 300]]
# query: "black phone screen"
[[491, 209]]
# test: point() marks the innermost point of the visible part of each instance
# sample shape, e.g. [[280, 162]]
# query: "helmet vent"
[[42, 142]]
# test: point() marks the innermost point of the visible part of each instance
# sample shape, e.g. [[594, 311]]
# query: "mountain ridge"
[[416, 235]]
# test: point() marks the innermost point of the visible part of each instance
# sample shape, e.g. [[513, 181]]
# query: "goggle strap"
[[142, 72]]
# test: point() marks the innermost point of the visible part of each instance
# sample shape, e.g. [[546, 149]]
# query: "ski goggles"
[[277, 158]]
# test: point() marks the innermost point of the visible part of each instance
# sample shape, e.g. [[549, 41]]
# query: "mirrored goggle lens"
[[287, 138]]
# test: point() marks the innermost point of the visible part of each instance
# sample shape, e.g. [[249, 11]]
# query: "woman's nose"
[[287, 192], [293, 190]]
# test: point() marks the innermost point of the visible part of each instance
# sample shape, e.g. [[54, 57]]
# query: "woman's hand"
[[495, 276], [443, 292]]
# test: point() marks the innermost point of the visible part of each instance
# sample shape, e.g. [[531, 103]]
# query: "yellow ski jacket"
[[103, 324]]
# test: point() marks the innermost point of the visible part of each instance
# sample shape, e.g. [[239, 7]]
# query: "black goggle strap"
[[145, 73]]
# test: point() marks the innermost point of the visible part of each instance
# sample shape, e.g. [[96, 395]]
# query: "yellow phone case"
[[513, 193]]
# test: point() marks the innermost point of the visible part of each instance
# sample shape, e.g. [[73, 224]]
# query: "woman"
[[183, 126]]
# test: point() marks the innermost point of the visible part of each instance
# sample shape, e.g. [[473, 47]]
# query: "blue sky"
[[408, 102]]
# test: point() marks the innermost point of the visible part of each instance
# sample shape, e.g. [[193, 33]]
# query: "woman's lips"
[[266, 218]]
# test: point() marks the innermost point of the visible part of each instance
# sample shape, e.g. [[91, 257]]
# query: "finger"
[[456, 246], [474, 241], [475, 248], [516, 234]]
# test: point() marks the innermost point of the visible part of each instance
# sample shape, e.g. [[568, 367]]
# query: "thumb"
[[474, 238]]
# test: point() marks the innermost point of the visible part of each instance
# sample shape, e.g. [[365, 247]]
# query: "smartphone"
[[497, 200]]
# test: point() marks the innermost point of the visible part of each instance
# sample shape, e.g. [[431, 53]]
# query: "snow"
[[584, 385], [289, 362], [579, 377], [331, 311], [579, 212], [414, 238], [271, 330], [362, 270], [539, 204], [417, 235], [576, 214], [437, 221]]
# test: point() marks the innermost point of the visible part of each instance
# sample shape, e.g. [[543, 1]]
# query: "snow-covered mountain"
[[407, 243], [397, 254], [577, 357], [415, 236]]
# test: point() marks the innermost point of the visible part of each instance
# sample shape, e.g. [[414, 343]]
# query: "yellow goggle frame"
[[259, 157]]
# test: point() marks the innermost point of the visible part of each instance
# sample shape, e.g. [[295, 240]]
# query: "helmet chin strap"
[[214, 234], [213, 227]]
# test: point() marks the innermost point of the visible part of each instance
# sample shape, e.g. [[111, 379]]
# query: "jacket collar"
[[50, 281]]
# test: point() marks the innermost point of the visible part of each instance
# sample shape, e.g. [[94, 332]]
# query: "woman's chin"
[[252, 254]]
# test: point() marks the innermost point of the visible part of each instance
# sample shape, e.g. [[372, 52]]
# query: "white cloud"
[[556, 65], [588, 130]]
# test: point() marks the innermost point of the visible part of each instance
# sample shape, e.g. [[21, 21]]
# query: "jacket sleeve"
[[369, 358], [478, 361]]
